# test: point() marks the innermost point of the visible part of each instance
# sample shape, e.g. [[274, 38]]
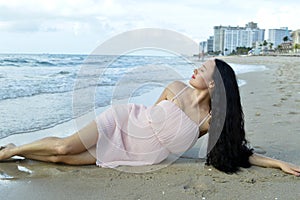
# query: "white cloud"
[[276, 17], [99, 20]]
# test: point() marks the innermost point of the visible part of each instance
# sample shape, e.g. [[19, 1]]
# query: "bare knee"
[[63, 148], [67, 146], [59, 146], [55, 159]]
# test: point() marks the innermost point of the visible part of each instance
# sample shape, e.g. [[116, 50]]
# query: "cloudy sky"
[[78, 26]]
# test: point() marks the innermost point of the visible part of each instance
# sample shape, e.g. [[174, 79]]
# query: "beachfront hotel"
[[228, 38], [218, 44], [276, 35]]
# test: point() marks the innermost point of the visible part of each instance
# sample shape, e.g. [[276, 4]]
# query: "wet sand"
[[271, 101]]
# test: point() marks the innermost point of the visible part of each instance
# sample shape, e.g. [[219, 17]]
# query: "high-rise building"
[[232, 38], [296, 39], [203, 46], [276, 35], [296, 36], [210, 44], [249, 36], [228, 38], [258, 35], [219, 38], [251, 25]]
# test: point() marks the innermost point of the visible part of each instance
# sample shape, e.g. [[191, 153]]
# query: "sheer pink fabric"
[[136, 135]]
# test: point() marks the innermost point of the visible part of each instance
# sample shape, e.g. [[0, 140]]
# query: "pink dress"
[[136, 135]]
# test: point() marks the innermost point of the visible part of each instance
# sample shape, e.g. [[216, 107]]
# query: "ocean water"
[[39, 91]]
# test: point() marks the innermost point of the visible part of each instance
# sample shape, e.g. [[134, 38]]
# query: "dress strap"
[[179, 93], [204, 120]]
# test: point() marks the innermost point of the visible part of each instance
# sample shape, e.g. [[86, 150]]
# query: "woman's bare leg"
[[78, 142], [85, 158]]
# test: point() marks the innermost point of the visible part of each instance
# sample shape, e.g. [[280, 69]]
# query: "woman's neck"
[[201, 98]]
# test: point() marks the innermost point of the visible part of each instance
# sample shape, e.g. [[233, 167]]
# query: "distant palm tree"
[[265, 43], [271, 45], [279, 48], [296, 47], [286, 38]]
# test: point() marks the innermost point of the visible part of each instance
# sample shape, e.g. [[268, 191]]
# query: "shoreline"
[[271, 102], [146, 99]]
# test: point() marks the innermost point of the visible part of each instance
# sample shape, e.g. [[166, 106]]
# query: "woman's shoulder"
[[176, 85]]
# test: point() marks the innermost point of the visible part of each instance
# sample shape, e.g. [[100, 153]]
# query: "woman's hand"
[[290, 168]]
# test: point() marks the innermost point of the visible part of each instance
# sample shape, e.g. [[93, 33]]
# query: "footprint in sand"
[[288, 95], [277, 104], [293, 113]]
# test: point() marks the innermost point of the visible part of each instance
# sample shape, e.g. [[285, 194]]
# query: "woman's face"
[[202, 77]]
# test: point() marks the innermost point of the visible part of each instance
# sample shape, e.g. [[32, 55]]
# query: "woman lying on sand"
[[136, 135]]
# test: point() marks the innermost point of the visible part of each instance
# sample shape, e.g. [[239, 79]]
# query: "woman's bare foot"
[[5, 151]]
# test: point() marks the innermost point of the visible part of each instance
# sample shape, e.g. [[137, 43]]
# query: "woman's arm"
[[168, 91], [163, 96], [264, 161]]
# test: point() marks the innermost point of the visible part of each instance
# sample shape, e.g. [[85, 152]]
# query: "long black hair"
[[228, 148]]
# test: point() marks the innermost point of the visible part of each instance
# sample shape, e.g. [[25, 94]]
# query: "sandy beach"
[[271, 102]]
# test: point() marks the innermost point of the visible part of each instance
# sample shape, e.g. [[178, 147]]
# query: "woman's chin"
[[192, 84]]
